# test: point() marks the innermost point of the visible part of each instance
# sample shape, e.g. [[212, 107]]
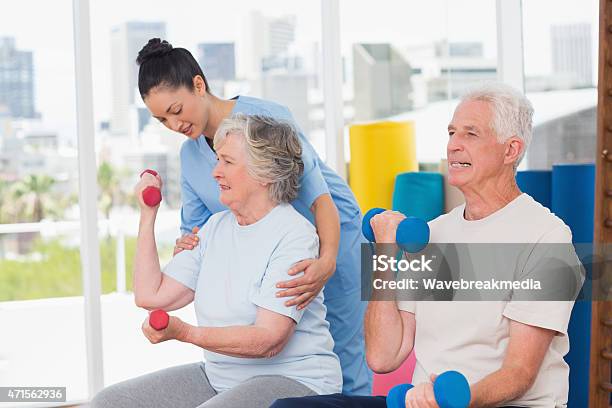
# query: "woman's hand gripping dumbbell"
[[160, 327], [151, 195]]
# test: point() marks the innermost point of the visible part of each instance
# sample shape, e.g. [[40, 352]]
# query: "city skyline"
[[53, 59]]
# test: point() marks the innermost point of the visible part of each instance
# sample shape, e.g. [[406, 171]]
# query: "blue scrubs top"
[[200, 194], [345, 310]]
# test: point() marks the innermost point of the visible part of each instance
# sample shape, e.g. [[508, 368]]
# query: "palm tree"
[[33, 197], [5, 214], [108, 183]]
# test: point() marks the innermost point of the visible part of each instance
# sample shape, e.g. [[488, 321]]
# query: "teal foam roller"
[[419, 194]]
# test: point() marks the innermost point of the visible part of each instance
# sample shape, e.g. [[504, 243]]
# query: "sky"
[[48, 32]]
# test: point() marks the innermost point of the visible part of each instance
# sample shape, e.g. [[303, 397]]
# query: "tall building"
[[273, 64], [127, 40], [16, 80], [572, 54], [263, 38], [446, 70], [289, 89], [281, 32], [381, 81], [218, 62]]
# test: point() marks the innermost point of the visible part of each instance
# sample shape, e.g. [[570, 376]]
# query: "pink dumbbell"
[[151, 195], [158, 319]]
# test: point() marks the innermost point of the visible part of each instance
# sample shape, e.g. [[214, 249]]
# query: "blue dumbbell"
[[450, 388], [412, 233]]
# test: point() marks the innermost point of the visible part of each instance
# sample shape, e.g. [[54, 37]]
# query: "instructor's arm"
[[316, 271]]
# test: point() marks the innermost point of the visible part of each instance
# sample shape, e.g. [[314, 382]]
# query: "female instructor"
[[174, 89]]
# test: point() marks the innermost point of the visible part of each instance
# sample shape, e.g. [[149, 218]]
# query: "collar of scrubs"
[[203, 145]]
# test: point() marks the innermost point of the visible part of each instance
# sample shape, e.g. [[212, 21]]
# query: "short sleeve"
[[406, 305], [550, 315], [312, 182], [194, 213], [185, 266], [553, 262], [293, 248]]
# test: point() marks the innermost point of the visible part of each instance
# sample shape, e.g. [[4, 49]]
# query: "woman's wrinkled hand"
[[175, 330], [147, 180]]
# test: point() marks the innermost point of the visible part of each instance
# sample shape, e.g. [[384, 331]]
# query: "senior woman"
[[256, 349]]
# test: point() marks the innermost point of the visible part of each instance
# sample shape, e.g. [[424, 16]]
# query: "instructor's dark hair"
[[162, 65]]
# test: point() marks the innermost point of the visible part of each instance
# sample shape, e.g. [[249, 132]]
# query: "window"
[[270, 51], [40, 272], [560, 45], [413, 62]]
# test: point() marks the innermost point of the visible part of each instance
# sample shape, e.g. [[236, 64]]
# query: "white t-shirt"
[[471, 337], [234, 271]]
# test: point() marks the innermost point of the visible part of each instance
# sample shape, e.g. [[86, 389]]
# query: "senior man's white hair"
[[512, 112]]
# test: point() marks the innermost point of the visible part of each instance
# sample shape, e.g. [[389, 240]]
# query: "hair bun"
[[155, 48]]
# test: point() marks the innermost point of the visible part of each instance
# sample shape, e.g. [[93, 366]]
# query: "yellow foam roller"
[[379, 152]]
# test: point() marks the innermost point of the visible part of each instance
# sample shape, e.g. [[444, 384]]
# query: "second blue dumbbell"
[[451, 390], [412, 233]]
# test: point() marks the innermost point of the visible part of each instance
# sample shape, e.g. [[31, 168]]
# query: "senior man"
[[510, 351]]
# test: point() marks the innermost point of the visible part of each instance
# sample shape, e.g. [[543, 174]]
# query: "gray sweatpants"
[[187, 386]]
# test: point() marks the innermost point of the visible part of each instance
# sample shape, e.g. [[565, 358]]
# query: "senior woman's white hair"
[[274, 153], [512, 112]]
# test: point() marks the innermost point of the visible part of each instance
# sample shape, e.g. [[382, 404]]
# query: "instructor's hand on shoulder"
[[187, 241]]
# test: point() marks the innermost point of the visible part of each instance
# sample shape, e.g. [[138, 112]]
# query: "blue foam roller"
[[536, 183], [573, 200], [420, 194], [452, 390], [396, 397], [412, 234], [366, 228]]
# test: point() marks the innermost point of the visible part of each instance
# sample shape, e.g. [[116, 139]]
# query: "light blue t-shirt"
[[234, 271]]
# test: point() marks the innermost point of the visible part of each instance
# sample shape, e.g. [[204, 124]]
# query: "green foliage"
[[58, 272], [110, 192], [33, 195], [4, 201], [31, 199]]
